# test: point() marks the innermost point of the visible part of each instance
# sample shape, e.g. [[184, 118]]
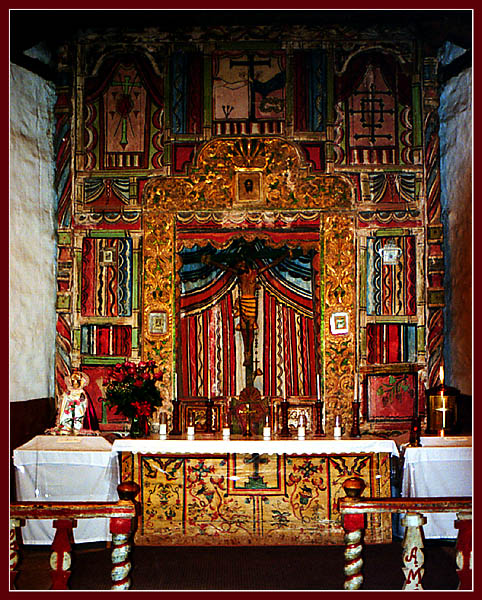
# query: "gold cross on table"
[[248, 412], [443, 410]]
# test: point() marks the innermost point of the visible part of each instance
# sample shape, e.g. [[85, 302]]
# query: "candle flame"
[[441, 375]]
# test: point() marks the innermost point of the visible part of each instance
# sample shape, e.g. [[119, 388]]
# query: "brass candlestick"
[[175, 430], [209, 416], [415, 424], [355, 425], [285, 430], [319, 418]]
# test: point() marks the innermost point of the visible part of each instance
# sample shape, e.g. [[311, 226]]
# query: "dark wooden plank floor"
[[239, 568]]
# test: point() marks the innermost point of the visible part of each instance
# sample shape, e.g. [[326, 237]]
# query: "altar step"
[[240, 568]]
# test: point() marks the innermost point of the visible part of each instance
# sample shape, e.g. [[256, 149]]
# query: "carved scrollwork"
[[288, 186]]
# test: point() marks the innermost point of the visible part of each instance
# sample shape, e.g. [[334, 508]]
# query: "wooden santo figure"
[[75, 410], [247, 277]]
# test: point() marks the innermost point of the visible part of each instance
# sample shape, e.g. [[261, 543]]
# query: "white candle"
[[266, 432], [301, 433], [318, 392], [226, 433], [337, 428], [163, 429], [190, 431]]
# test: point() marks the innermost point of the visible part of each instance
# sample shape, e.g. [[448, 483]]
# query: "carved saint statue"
[[247, 277], [75, 413]]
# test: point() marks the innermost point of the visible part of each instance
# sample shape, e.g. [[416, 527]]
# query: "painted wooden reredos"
[[317, 146]]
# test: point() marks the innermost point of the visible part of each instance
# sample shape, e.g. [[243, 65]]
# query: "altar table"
[[210, 491], [68, 469], [439, 467]]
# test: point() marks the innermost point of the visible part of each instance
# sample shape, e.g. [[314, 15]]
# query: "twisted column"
[[121, 529], [353, 524], [120, 559], [353, 557], [14, 523]]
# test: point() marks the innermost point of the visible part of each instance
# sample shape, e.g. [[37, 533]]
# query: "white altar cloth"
[[438, 469], [67, 469], [240, 445]]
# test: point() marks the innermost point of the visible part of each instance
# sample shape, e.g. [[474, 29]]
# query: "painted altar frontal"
[[252, 499]]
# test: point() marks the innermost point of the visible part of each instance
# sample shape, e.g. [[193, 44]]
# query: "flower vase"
[[139, 426]]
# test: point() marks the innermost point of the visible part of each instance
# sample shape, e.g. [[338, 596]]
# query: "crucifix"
[[248, 412], [250, 63]]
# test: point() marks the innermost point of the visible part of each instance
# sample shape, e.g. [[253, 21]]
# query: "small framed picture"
[[339, 323], [249, 186], [107, 257], [158, 322]]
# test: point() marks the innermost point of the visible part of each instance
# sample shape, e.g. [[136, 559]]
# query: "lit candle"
[[301, 427], [190, 431], [318, 392], [337, 428], [356, 387], [443, 411], [266, 429]]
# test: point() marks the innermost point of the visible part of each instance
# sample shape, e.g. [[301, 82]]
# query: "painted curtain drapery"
[[210, 351]]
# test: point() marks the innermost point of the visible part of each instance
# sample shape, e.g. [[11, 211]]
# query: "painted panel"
[[251, 499]]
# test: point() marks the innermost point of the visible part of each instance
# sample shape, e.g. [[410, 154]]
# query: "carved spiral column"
[[120, 560], [14, 523], [353, 557], [354, 525]]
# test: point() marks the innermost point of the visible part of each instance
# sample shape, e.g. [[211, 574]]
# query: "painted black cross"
[[372, 113], [250, 63], [255, 481]]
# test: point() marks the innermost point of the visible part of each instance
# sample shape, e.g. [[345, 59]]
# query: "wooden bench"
[[353, 509], [122, 515]]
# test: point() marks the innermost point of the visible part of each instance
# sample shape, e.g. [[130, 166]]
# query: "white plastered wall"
[[32, 239], [456, 198]]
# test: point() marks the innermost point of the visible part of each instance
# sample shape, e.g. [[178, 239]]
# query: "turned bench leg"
[[464, 551], [61, 558], [353, 525], [121, 531], [412, 548], [14, 523]]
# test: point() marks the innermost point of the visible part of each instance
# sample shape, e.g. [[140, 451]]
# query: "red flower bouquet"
[[132, 390]]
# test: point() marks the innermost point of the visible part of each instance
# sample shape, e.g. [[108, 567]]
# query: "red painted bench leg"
[[464, 552], [121, 530], [60, 559]]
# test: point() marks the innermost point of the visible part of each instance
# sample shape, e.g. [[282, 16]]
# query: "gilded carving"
[[288, 185], [339, 287]]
